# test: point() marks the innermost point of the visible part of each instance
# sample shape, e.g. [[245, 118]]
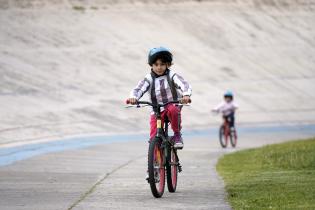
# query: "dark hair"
[[231, 97], [160, 53], [164, 57]]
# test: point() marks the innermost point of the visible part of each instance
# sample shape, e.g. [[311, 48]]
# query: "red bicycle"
[[162, 156], [226, 134]]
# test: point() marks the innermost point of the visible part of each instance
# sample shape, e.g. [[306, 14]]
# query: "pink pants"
[[173, 115]]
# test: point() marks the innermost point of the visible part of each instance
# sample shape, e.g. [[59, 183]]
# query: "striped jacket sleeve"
[[142, 87], [182, 84], [219, 107]]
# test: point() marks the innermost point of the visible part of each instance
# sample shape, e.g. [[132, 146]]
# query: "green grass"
[[94, 8], [280, 176], [79, 8]]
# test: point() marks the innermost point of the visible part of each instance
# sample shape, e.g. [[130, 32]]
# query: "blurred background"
[[67, 66]]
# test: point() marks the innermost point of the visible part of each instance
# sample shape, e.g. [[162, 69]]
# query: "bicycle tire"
[[171, 170], [233, 138], [156, 168], [222, 137]]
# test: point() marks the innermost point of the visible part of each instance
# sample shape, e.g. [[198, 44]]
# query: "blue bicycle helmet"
[[228, 94], [159, 53]]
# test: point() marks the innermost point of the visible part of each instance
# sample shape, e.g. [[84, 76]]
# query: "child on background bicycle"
[[163, 85], [227, 108]]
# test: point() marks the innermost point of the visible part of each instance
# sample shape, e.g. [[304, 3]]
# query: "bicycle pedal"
[[180, 169]]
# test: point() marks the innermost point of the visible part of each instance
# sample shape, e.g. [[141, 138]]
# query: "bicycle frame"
[[163, 134], [226, 127]]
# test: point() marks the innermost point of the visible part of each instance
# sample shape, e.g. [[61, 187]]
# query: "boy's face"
[[228, 99], [159, 67]]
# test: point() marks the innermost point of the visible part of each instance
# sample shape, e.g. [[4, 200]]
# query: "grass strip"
[[280, 176]]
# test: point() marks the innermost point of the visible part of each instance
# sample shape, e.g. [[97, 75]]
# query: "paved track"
[[111, 176], [263, 50]]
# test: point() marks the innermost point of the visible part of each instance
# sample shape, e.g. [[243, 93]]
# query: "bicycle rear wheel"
[[223, 138], [156, 168], [171, 170], [233, 138]]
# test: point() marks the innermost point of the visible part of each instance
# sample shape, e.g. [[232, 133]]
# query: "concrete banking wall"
[[67, 66]]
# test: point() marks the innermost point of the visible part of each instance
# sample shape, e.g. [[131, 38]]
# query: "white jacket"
[[226, 108], [163, 90]]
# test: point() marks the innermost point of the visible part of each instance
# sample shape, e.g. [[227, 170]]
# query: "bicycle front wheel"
[[223, 137], [172, 170], [156, 168]]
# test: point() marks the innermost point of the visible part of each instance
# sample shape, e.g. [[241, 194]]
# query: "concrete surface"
[[111, 176], [66, 66]]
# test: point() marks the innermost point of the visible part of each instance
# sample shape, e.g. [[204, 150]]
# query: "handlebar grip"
[[129, 102]]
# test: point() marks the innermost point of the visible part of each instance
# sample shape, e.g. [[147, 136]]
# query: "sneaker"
[[178, 141]]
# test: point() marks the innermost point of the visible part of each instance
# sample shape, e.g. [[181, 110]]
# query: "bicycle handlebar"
[[153, 105]]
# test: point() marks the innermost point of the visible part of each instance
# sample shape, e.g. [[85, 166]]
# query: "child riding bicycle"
[[163, 85], [227, 108]]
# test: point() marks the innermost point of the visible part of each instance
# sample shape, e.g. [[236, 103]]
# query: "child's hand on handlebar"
[[185, 100], [132, 101]]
